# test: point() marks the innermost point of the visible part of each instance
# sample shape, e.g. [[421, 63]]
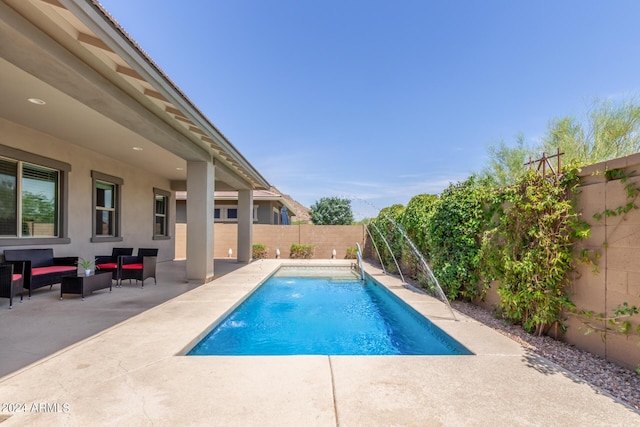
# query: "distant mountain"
[[302, 212]]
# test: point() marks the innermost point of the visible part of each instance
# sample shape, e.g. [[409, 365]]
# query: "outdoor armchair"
[[140, 267], [110, 262], [11, 281]]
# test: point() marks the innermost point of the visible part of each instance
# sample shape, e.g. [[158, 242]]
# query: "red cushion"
[[52, 269], [132, 267], [109, 265], [16, 277]]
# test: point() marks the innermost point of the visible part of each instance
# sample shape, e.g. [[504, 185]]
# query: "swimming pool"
[[325, 311]]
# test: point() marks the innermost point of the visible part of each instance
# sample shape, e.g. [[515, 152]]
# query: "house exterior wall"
[[137, 195], [265, 209], [265, 215]]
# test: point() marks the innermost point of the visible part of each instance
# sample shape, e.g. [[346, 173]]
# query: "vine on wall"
[[530, 248], [620, 320]]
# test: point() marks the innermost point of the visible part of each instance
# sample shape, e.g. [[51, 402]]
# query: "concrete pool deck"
[[133, 374]]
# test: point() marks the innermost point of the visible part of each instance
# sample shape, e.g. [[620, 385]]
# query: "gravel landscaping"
[[605, 376]]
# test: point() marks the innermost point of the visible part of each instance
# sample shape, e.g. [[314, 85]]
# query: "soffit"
[[188, 133]]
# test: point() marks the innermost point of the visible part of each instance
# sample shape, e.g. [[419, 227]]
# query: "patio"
[[131, 373], [43, 325]]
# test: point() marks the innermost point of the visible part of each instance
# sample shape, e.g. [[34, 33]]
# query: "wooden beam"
[[175, 111], [55, 3], [93, 41], [154, 94], [184, 119], [196, 130], [129, 72]]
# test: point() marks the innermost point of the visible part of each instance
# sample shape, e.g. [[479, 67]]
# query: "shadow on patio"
[[45, 324]]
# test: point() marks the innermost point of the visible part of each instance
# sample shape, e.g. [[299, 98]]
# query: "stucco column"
[[245, 225], [200, 188]]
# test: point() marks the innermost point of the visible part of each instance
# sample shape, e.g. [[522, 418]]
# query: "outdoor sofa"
[[41, 268]]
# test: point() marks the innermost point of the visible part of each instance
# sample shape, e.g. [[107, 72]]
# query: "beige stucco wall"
[[137, 194], [324, 238]]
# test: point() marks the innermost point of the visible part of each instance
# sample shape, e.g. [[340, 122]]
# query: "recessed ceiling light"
[[36, 101], [137, 148], [179, 169]]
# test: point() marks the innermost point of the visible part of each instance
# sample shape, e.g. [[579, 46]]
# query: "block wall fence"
[[324, 238]]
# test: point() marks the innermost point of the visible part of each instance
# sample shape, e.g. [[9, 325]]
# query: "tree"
[[506, 164], [331, 211], [610, 130]]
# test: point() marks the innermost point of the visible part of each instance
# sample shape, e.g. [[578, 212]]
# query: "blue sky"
[[383, 100]]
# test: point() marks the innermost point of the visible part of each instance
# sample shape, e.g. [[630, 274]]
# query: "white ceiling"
[[71, 121]]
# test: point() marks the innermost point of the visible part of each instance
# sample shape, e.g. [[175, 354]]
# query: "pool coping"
[[132, 374]]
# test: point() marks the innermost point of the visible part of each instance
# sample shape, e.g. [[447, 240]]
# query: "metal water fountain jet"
[[431, 278]]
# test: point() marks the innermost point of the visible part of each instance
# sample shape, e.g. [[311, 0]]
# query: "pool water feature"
[[325, 312]]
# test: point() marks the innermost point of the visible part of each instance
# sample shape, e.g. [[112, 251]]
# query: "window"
[[106, 205], [230, 213], [161, 214], [32, 198]]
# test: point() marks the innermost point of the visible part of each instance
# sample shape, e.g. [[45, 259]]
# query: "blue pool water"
[[325, 316]]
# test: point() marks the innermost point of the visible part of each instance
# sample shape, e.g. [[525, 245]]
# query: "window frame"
[[117, 220], [167, 197], [224, 215], [62, 219]]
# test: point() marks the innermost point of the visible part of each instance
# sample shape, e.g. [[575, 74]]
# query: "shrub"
[[301, 251], [454, 237], [352, 253], [258, 251], [530, 250], [386, 225]]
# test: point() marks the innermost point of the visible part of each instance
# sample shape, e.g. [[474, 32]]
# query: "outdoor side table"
[[80, 284]]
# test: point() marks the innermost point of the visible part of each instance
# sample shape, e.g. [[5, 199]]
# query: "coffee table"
[[81, 284]]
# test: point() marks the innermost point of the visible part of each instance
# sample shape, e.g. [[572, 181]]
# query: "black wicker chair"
[[11, 281], [140, 267], [110, 262]]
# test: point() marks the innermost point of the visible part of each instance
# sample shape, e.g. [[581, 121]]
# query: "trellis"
[[544, 166]]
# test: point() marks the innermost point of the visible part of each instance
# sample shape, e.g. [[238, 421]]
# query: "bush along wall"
[[454, 238], [384, 229], [258, 251], [529, 248], [521, 236], [298, 251]]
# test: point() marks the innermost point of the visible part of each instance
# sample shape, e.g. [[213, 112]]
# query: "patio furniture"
[[81, 284], [110, 262], [140, 267], [11, 281], [41, 268]]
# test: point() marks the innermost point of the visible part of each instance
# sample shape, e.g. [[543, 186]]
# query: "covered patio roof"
[[118, 102]]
